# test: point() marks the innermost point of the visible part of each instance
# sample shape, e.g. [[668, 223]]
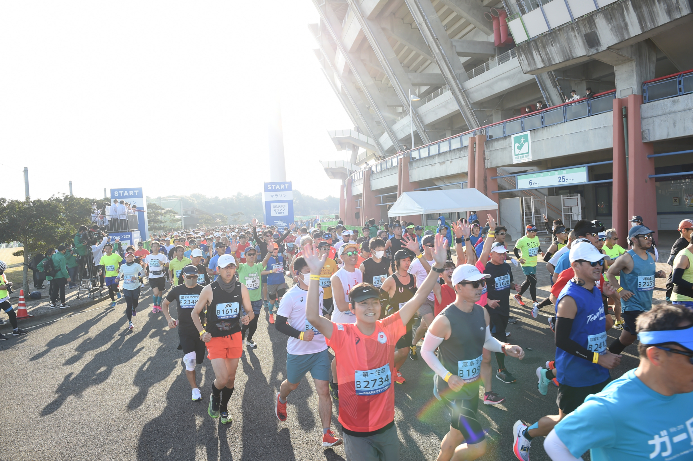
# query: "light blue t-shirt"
[[563, 263], [130, 275], [628, 421], [213, 264]]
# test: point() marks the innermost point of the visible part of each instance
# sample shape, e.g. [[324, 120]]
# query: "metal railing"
[[435, 94], [491, 63], [668, 87]]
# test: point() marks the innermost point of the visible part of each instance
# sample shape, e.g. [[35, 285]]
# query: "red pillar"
[[349, 219], [404, 185], [641, 188], [482, 178], [619, 205], [471, 163], [369, 203], [342, 200]]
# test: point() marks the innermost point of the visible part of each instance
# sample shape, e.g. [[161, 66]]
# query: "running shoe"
[[225, 418], [491, 398], [2, 322], [399, 379], [506, 376], [154, 310], [520, 443], [3, 337], [119, 296], [196, 395], [329, 439], [618, 324], [18, 332], [555, 382], [543, 384], [251, 344], [134, 313], [512, 320], [51, 305], [213, 409], [64, 306], [551, 365], [535, 310], [507, 333], [412, 353], [667, 299], [271, 318], [113, 303], [552, 324], [131, 326], [518, 298], [334, 392], [280, 409]]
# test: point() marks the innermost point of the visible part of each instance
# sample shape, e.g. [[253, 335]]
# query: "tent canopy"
[[440, 201]]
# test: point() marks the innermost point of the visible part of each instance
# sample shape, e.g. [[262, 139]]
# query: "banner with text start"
[[278, 203], [131, 212]]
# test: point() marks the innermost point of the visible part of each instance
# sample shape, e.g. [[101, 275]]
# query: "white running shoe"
[[535, 310], [196, 395], [520, 443]]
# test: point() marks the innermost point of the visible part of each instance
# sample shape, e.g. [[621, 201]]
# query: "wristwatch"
[[438, 270]]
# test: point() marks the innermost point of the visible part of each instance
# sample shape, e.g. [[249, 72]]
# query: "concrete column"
[[342, 200], [471, 162], [369, 203], [619, 196], [349, 219], [641, 189], [482, 177], [404, 185], [638, 68]]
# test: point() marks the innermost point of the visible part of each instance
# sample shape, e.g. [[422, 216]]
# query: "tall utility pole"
[[70, 187], [26, 182]]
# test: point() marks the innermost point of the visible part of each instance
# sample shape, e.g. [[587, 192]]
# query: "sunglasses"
[[594, 264], [500, 233], [191, 276], [429, 246], [475, 284], [250, 254], [646, 237], [676, 351], [602, 239], [351, 253]]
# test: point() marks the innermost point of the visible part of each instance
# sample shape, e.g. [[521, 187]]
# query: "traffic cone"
[[21, 307]]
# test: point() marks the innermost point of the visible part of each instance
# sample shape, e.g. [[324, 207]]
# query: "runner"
[[276, 282], [156, 262], [686, 232], [365, 353], [582, 360], [683, 278], [635, 288], [5, 305], [460, 333], [177, 264], [645, 414], [394, 242], [197, 260], [306, 351], [346, 236], [420, 268], [250, 275], [377, 268], [526, 250], [613, 250], [130, 273], [111, 261], [141, 252], [223, 300], [186, 295], [328, 270]]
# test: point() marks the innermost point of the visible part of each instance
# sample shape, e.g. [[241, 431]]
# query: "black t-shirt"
[[498, 286], [186, 299]]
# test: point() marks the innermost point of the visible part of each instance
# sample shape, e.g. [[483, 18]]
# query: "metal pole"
[[411, 121], [104, 193], [625, 135], [71, 188], [26, 183]]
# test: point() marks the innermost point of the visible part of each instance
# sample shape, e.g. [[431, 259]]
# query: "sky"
[[170, 96]]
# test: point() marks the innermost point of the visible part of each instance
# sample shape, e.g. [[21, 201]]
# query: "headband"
[[682, 337]]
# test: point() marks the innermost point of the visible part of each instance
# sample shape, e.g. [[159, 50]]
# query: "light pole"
[[412, 97]]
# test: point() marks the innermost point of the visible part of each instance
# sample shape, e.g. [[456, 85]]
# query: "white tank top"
[[349, 280]]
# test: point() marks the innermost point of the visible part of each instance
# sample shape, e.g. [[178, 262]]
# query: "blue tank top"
[[589, 331], [640, 281], [276, 278]]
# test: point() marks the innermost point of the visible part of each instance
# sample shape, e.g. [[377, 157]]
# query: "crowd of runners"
[[355, 304]]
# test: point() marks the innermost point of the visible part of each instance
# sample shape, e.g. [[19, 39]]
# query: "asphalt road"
[[83, 388]]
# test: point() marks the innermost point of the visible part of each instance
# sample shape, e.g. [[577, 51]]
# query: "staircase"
[[508, 183]]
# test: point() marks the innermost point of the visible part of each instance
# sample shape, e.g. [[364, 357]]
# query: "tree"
[[78, 209], [37, 224], [162, 219]]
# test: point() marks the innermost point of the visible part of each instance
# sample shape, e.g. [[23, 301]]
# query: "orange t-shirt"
[[365, 366], [565, 276]]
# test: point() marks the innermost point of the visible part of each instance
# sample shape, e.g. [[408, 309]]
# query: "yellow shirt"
[[176, 266], [111, 264], [326, 273]]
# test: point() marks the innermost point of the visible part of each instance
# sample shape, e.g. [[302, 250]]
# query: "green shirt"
[[176, 266], [529, 249], [251, 277], [70, 259], [111, 264], [60, 266]]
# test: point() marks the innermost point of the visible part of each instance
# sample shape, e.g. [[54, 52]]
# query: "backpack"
[[49, 267]]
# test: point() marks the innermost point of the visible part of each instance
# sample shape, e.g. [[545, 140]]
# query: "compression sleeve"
[[491, 343], [430, 344], [563, 328], [556, 449], [547, 257], [283, 327], [681, 286], [517, 252]]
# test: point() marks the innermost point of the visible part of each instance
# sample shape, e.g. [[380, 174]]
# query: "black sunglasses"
[[250, 254], [676, 351], [594, 264], [500, 233], [475, 284]]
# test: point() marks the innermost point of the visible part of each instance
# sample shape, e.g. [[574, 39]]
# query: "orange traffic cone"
[[21, 307]]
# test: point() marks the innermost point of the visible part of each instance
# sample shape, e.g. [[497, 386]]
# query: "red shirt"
[[141, 254], [447, 297], [565, 276], [240, 251], [366, 405]]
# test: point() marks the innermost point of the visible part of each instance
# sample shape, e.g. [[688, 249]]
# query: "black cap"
[[404, 253], [189, 270], [427, 240], [323, 244], [636, 218], [363, 291]]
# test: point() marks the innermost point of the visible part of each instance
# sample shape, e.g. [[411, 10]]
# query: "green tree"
[[37, 224], [161, 219]]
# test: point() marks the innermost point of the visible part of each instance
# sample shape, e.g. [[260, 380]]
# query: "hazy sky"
[[167, 95]]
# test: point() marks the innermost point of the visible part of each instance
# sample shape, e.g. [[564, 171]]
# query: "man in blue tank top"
[[638, 271], [582, 360]]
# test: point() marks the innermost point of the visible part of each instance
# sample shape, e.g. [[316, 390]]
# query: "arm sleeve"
[[491, 343], [430, 344], [556, 449], [257, 239], [547, 257], [516, 250], [681, 286], [283, 327], [286, 234], [563, 328]]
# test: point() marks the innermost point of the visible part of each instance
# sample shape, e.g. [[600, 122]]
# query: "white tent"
[[440, 201]]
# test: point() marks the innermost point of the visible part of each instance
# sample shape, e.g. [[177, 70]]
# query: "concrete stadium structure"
[[475, 65]]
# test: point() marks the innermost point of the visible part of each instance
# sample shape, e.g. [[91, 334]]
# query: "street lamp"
[[412, 97]]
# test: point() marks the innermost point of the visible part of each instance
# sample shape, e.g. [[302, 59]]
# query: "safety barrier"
[[668, 86]]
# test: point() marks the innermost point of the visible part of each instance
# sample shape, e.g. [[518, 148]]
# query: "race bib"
[[154, 263], [227, 310], [372, 382], [597, 343], [311, 327], [110, 268], [325, 282], [469, 369], [502, 282], [378, 280], [201, 279], [188, 301], [131, 279], [646, 282], [533, 251], [177, 274], [252, 282], [277, 267]]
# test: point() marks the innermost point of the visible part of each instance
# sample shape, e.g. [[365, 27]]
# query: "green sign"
[[522, 147], [552, 178]]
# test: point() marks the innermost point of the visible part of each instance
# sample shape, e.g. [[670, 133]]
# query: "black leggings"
[[250, 328], [132, 298], [531, 283], [7, 307], [112, 290]]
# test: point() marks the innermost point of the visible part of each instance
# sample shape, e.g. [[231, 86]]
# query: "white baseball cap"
[[225, 260], [346, 232], [584, 250], [467, 273], [498, 248], [195, 253]]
